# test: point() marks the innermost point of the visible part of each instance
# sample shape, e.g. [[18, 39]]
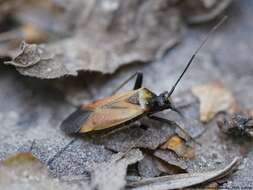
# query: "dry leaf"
[[111, 175], [147, 167], [214, 98], [209, 186], [167, 168], [237, 125], [29, 55], [183, 180], [24, 171], [153, 137], [178, 165], [242, 179], [111, 35], [176, 144]]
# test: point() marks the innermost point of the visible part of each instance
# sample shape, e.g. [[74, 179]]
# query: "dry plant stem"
[[183, 180]]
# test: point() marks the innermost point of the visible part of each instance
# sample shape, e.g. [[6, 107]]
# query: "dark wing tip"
[[72, 124]]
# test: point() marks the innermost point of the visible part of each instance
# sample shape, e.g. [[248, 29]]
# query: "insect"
[[237, 125], [124, 108]]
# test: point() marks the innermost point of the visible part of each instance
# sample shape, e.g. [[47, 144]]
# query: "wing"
[[110, 116], [74, 121], [109, 100], [107, 112]]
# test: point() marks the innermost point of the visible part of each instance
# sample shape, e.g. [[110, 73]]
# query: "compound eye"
[[165, 95]]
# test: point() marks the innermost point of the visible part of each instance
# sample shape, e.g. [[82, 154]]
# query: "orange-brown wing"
[[110, 116], [109, 100], [103, 113]]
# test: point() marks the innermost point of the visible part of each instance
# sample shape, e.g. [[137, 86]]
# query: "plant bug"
[[124, 108]]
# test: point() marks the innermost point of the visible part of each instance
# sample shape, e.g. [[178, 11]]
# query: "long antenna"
[[197, 50]]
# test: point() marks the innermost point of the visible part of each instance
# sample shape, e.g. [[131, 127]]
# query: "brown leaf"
[[20, 158], [24, 171], [179, 165], [167, 168], [176, 144], [214, 98], [209, 186]]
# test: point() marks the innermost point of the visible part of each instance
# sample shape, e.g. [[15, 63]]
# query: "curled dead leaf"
[[214, 97], [29, 55]]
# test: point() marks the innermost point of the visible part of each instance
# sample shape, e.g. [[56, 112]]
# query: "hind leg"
[[137, 85]]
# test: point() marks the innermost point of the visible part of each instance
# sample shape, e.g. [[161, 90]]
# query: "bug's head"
[[163, 101]]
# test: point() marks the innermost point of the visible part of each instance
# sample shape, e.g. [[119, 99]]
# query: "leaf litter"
[[74, 159], [111, 175], [177, 144], [111, 36], [46, 138], [24, 171], [183, 180]]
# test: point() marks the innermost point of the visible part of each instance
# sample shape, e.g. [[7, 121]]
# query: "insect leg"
[[50, 161], [138, 82], [163, 120]]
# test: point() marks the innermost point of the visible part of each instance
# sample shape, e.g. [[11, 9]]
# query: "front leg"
[[169, 122]]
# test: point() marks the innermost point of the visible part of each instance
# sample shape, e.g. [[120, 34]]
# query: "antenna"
[[196, 52]]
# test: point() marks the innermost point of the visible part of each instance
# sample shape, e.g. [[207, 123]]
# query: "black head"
[[162, 102]]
